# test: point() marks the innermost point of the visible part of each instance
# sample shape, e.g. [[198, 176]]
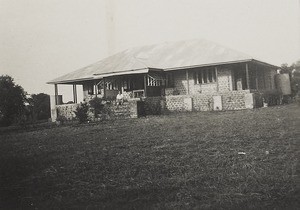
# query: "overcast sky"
[[43, 39]]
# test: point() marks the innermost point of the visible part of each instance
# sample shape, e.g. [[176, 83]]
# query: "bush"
[[97, 105], [61, 119], [82, 112], [271, 97], [152, 106], [259, 101]]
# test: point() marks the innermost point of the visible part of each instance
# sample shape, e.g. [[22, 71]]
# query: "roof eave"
[[265, 64], [67, 82], [119, 73], [222, 63], [209, 64]]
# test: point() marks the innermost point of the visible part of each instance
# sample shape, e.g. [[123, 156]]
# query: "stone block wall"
[[67, 110], [231, 100], [180, 83], [169, 91], [175, 103], [234, 100], [126, 110], [223, 83], [224, 79], [203, 102]]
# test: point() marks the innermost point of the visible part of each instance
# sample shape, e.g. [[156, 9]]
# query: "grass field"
[[179, 161]]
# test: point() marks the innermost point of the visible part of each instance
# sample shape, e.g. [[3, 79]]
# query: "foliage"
[[61, 119], [176, 92], [82, 112], [152, 106], [271, 97], [97, 105], [40, 104], [12, 101]]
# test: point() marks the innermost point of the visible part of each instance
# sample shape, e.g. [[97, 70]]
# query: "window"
[[90, 89], [127, 83], [112, 85], [100, 86], [205, 76], [169, 80]]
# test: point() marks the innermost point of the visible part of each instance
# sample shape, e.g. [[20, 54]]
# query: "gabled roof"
[[166, 56]]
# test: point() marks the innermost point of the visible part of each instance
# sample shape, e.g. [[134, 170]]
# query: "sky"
[[42, 40]]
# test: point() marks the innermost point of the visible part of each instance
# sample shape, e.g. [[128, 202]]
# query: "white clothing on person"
[[119, 99]]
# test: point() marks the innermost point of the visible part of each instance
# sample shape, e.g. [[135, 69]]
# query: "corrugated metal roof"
[[166, 56]]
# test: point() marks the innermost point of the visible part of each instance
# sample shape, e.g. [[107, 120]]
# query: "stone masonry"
[[188, 96], [67, 111]]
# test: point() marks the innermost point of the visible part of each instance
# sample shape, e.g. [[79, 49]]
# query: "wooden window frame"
[[90, 89], [205, 76]]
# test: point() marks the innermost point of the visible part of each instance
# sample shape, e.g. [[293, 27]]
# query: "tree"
[[12, 101], [40, 104]]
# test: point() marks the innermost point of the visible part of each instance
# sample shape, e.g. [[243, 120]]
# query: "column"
[[145, 85], [56, 94], [104, 88], [187, 82], [247, 77], [96, 88], [216, 72], [75, 93], [256, 78]]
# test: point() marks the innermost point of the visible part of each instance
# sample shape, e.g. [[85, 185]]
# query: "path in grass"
[[187, 160]]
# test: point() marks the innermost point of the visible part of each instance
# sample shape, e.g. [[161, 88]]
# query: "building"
[[187, 75]]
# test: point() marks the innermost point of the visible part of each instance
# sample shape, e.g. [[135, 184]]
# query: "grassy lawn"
[[180, 161]]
